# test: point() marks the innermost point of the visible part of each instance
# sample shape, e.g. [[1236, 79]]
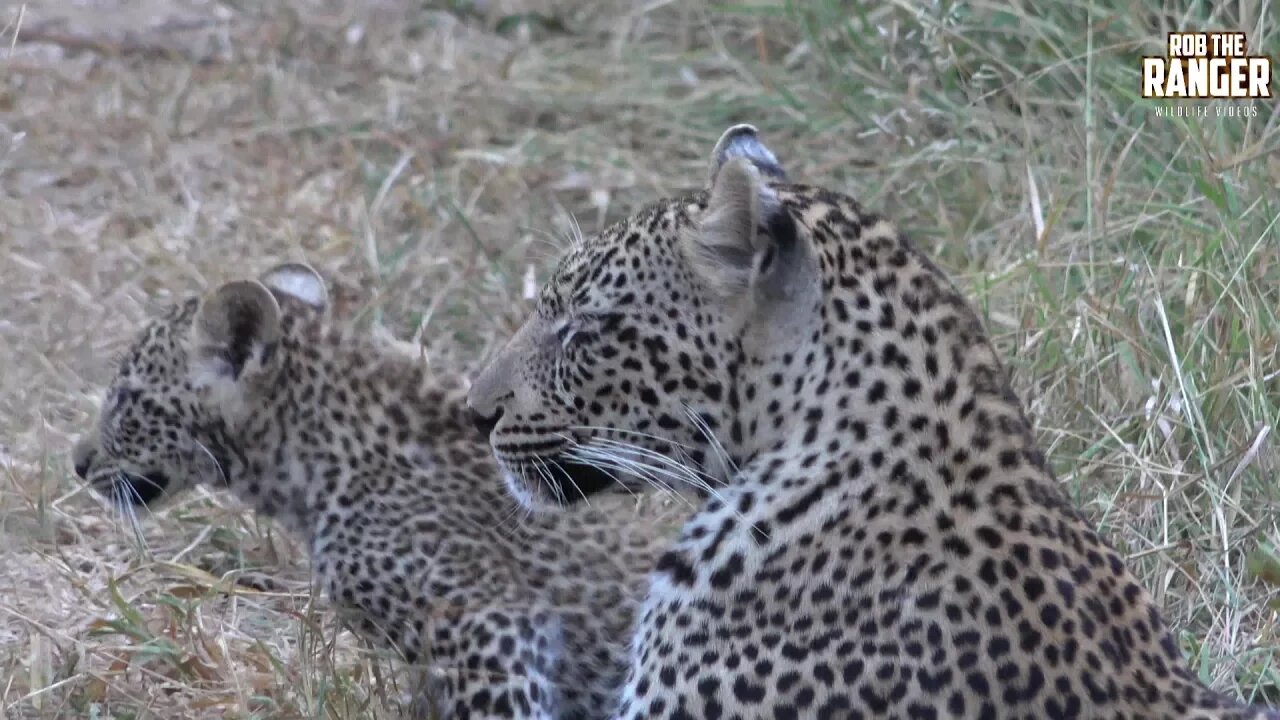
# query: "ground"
[[432, 157]]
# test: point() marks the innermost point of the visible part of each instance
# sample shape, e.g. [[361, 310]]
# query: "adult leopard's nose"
[[485, 424]]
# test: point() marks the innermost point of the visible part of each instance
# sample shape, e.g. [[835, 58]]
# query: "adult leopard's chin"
[[555, 482]]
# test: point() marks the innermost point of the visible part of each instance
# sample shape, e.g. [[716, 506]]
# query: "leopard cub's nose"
[[82, 456], [82, 466], [485, 425]]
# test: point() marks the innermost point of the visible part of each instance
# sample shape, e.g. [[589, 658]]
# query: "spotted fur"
[[355, 447], [888, 541]]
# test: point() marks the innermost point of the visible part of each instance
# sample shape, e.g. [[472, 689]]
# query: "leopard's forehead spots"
[[605, 269], [151, 368], [160, 348]]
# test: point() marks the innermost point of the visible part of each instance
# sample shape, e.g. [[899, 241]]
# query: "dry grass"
[[429, 157]]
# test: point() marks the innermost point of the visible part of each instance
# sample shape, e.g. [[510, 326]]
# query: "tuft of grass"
[[432, 159]]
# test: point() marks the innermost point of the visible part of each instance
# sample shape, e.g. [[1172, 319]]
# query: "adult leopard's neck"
[[889, 366]]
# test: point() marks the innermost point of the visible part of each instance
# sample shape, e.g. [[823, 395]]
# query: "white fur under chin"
[[529, 499], [521, 493]]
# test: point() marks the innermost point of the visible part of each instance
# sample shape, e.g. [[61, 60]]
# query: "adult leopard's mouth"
[[557, 480], [127, 489], [142, 489]]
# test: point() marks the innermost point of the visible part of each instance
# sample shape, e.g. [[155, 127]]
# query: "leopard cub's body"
[[888, 542], [350, 443]]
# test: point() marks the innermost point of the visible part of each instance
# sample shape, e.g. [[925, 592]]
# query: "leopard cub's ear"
[[298, 281], [235, 333]]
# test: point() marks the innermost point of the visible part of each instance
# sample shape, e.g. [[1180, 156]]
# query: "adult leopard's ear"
[[743, 141], [235, 333], [299, 281], [743, 232]]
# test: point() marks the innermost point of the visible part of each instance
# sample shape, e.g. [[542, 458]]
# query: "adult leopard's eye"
[[589, 324], [120, 395], [566, 329]]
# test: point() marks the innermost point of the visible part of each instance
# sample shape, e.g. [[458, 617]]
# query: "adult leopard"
[[352, 444], [889, 542]]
